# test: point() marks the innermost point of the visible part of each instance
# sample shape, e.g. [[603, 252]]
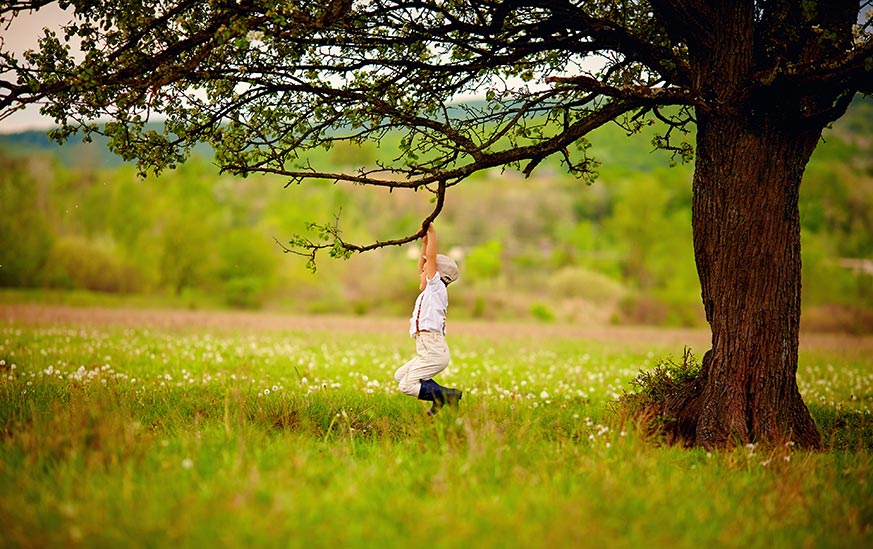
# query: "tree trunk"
[[746, 226]]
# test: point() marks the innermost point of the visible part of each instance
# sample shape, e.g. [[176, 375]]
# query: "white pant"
[[432, 357]]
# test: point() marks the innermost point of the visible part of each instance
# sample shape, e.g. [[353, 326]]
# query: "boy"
[[428, 326]]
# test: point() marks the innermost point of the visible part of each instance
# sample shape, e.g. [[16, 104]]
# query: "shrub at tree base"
[[657, 394]]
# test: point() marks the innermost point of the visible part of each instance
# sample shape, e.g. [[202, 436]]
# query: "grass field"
[[196, 435]]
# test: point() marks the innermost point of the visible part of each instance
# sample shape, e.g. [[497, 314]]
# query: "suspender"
[[418, 314]]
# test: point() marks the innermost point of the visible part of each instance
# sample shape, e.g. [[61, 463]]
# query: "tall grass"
[[120, 437]]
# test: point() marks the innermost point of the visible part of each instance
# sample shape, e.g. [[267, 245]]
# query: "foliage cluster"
[[258, 438], [648, 401]]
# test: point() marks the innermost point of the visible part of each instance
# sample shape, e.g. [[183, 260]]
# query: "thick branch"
[[688, 21], [850, 70], [644, 94], [15, 7], [484, 160]]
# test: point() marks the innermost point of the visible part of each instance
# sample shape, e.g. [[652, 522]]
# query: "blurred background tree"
[[616, 251]]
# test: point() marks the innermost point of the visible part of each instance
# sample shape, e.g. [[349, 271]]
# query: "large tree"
[[264, 82]]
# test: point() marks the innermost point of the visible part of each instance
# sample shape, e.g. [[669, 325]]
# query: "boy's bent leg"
[[401, 372], [419, 382], [411, 387], [406, 383], [433, 357]]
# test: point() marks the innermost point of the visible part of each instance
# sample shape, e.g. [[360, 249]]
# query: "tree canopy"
[[263, 82]]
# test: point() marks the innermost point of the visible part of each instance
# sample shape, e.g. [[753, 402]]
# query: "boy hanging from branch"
[[428, 326]]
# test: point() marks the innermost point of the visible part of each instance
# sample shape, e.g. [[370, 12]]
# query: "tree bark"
[[746, 226], [752, 147]]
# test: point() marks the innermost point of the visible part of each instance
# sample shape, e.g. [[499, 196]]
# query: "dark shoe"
[[427, 389], [452, 396], [431, 390]]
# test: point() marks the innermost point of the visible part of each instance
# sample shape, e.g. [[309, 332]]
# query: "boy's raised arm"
[[421, 255], [430, 252]]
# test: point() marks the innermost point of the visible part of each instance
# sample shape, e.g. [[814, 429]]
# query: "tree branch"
[[484, 160], [330, 237], [853, 69], [687, 21], [644, 94]]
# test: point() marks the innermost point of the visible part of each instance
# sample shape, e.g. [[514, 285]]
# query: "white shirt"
[[429, 312]]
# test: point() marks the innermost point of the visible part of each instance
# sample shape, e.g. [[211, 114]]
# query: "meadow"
[[191, 436]]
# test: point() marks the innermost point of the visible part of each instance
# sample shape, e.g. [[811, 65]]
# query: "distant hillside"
[[74, 153], [610, 145]]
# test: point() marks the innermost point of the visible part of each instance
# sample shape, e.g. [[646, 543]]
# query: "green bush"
[[654, 392], [245, 292], [26, 239], [76, 263], [484, 261], [542, 313], [586, 284], [638, 308], [656, 308]]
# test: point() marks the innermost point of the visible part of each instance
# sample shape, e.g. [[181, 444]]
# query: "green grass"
[[137, 437]]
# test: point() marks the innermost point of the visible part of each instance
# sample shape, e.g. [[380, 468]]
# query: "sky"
[[20, 36]]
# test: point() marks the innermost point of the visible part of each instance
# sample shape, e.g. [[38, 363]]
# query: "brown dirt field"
[[696, 339]]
